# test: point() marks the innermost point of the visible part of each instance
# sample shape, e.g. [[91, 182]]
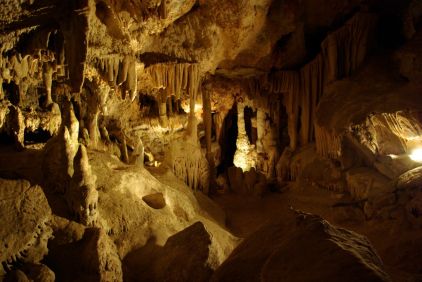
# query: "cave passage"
[[227, 140]]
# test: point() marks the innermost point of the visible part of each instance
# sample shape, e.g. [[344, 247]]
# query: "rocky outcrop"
[[183, 258], [82, 195], [304, 248], [25, 215], [92, 248]]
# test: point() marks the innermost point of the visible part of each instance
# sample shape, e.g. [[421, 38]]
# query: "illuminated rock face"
[[26, 216], [244, 155], [121, 112]]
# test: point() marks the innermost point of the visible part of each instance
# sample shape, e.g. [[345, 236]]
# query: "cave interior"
[[211, 140]]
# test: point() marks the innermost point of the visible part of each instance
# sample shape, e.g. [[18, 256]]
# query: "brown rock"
[[306, 248]]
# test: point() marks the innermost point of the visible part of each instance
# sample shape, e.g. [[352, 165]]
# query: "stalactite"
[[48, 81], [190, 167], [328, 143], [75, 32], [176, 78], [132, 79], [110, 70], [342, 52], [116, 64], [345, 49], [206, 99], [260, 126], [123, 71], [288, 84], [311, 81], [170, 105]]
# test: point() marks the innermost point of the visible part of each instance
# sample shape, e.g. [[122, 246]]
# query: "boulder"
[[410, 179], [303, 248], [367, 184], [235, 176], [374, 189], [93, 257], [183, 258]]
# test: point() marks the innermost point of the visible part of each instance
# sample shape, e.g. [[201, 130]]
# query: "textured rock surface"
[[25, 214], [123, 111], [305, 248], [182, 258]]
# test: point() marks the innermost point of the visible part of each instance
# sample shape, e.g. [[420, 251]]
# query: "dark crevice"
[[227, 140]]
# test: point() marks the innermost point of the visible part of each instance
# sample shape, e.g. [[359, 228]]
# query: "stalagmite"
[[243, 156], [123, 149], [82, 195], [105, 135], [162, 111], [138, 154], [94, 133]]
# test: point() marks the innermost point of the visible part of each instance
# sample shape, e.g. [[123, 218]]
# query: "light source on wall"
[[416, 155], [186, 107]]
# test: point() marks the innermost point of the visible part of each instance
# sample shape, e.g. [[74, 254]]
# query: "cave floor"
[[398, 244]]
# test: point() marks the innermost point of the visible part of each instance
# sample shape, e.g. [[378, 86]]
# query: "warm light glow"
[[244, 156], [416, 155], [186, 107]]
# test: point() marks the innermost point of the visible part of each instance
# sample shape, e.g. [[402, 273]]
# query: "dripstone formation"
[[183, 140]]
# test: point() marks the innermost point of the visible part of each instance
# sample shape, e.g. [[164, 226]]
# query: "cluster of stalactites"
[[192, 168], [29, 70], [329, 142], [176, 79], [342, 52], [120, 71]]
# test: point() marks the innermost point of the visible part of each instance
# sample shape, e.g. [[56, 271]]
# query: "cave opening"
[[251, 129], [36, 136], [227, 140], [6, 139], [149, 106]]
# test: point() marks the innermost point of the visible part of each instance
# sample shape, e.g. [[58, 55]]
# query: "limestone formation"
[[25, 215], [166, 130], [275, 252], [82, 195]]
